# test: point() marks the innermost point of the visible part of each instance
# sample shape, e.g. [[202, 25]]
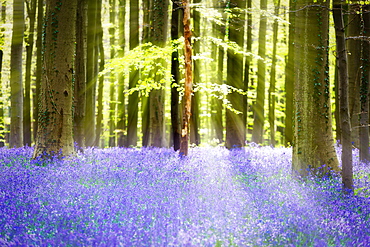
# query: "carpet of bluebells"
[[153, 197]]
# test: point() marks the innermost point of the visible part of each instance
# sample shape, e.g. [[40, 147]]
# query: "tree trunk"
[[145, 100], [216, 104], [54, 135], [345, 121], [175, 107], [184, 144], [31, 10], [247, 66], [364, 89], [259, 112], [36, 98], [16, 80], [91, 60], [100, 53], [290, 78], [195, 102], [2, 30], [112, 79], [235, 128], [158, 37], [272, 98], [354, 68], [121, 110], [133, 99], [313, 145], [80, 74]]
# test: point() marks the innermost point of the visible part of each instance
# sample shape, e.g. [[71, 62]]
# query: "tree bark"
[[354, 69], [175, 107], [158, 37], [16, 80], [112, 79], [235, 128], [2, 30], [289, 78], [121, 107], [272, 98], [345, 121], [91, 78], [80, 74], [54, 135], [133, 99], [259, 112], [184, 144], [27, 134], [313, 144], [195, 102], [364, 88]]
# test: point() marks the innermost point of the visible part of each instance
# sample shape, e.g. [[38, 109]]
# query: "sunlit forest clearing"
[[184, 123]]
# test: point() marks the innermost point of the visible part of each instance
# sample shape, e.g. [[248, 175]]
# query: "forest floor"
[[153, 197]]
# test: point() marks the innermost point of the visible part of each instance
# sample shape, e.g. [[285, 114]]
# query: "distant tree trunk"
[[235, 128], [91, 60], [158, 37], [247, 65], [259, 112], [184, 144], [194, 117], [55, 126], [80, 74], [40, 23], [216, 104], [2, 30], [31, 10], [145, 100], [364, 89], [272, 98], [313, 144], [112, 87], [289, 77], [175, 107], [121, 111], [100, 53], [16, 80], [133, 99], [354, 69], [345, 121]]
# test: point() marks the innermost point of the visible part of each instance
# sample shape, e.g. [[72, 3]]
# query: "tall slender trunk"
[[91, 60], [364, 88], [133, 99], [100, 53], [354, 69], [259, 107], [31, 10], [184, 144], [16, 80], [345, 121], [235, 127], [112, 87], [2, 30], [36, 98], [80, 74], [290, 77], [195, 102], [175, 107], [272, 98], [121, 106]]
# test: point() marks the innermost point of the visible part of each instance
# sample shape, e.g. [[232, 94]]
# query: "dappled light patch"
[[152, 196]]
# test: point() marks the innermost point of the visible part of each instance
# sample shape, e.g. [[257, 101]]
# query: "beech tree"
[[16, 80], [55, 118], [313, 144]]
